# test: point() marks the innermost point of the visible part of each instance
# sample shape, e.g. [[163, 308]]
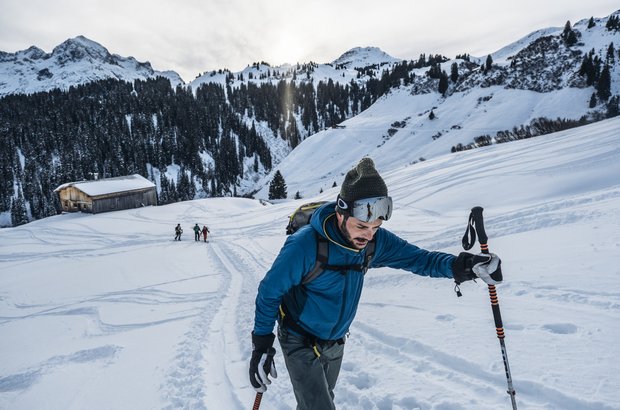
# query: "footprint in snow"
[[361, 380], [561, 328]]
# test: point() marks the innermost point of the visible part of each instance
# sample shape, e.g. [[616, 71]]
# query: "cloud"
[[193, 36]]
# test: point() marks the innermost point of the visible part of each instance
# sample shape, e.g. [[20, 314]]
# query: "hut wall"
[[74, 200], [124, 200]]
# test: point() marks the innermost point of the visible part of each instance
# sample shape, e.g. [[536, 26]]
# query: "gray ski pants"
[[313, 377]]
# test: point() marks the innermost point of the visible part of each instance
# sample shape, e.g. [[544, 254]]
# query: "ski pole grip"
[[476, 214]]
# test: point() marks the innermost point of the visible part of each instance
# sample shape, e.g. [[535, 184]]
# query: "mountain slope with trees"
[[226, 134]]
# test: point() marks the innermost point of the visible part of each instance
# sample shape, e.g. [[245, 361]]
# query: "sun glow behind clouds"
[[286, 48]]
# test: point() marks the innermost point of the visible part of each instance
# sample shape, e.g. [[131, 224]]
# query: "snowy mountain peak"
[[79, 48], [602, 34], [77, 60], [360, 57], [31, 53], [34, 53]]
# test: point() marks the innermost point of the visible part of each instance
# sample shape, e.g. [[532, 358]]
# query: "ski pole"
[[270, 369], [476, 223], [257, 400]]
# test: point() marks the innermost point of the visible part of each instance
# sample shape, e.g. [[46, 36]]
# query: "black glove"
[[486, 266], [261, 364]]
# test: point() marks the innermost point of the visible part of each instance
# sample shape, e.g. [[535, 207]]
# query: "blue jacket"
[[326, 306]]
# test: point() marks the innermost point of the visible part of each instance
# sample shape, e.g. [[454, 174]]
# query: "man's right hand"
[[261, 364]]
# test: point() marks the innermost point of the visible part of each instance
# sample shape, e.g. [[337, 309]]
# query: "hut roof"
[[110, 185]]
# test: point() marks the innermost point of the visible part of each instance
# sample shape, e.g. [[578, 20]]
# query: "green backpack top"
[[301, 216]]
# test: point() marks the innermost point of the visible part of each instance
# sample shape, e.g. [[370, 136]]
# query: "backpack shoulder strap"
[[322, 255], [370, 253]]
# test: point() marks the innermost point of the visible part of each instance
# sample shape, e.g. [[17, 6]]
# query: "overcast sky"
[[194, 36]]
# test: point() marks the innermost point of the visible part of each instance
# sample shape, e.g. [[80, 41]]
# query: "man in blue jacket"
[[314, 317]]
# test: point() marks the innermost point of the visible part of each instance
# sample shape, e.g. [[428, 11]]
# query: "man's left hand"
[[486, 266]]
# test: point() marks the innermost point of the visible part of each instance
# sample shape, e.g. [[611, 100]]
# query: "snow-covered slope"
[[75, 61], [106, 311], [398, 130], [535, 77]]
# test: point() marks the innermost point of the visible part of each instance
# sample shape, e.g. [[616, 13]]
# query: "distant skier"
[[205, 231], [196, 233], [177, 232]]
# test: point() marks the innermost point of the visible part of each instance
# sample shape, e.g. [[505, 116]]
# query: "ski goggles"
[[367, 209]]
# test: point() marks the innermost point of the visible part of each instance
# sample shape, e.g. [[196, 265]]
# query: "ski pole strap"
[[469, 238], [475, 224]]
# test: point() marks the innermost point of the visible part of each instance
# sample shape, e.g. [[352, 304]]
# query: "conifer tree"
[[603, 87], [611, 51], [443, 83], [593, 100], [164, 189], [613, 23], [489, 63], [591, 22], [454, 72], [19, 213], [613, 106], [568, 35], [277, 187]]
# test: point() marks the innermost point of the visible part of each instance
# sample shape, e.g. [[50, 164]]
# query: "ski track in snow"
[[212, 342], [225, 318], [185, 386], [206, 360], [446, 371], [549, 214], [23, 381], [145, 295], [221, 350]]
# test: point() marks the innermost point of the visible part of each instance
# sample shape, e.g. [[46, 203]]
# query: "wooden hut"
[[108, 194]]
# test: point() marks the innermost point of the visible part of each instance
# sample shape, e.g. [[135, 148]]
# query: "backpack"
[[300, 217]]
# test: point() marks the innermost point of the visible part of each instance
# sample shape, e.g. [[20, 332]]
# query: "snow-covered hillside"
[[108, 312], [399, 129], [536, 76], [76, 61]]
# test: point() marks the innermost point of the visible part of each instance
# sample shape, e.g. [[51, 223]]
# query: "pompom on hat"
[[362, 182]]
